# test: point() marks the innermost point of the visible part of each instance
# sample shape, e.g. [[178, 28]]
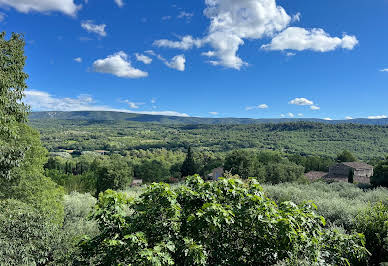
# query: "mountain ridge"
[[162, 119]]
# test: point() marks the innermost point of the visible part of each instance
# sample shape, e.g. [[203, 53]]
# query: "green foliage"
[[12, 112], [76, 224], [304, 138], [380, 176], [115, 173], [189, 167], [346, 156], [373, 223], [228, 222], [152, 171], [26, 237], [28, 184], [266, 166]]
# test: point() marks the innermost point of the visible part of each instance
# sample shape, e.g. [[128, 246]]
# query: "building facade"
[[362, 171]]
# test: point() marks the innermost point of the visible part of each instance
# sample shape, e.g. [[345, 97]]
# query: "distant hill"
[[170, 120]]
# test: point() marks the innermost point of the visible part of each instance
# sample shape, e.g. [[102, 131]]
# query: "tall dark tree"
[[189, 167], [380, 176]]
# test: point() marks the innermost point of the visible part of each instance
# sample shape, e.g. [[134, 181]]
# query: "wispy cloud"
[[90, 26], [261, 106], [78, 59], [214, 113], [143, 58], [377, 117], [43, 101], [384, 70]]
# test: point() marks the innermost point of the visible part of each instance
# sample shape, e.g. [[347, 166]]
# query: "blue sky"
[[207, 58]]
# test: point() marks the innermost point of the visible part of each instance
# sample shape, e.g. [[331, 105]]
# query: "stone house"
[[362, 172]]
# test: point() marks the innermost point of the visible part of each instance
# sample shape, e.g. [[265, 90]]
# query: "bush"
[[26, 237], [77, 224], [373, 223], [216, 223]]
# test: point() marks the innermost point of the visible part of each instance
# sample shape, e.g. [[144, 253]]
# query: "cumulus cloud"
[[67, 7], [120, 3], [384, 70], [78, 59], [301, 101], [294, 38], [261, 106], [119, 65], [377, 117], [291, 115], [89, 26], [232, 22], [143, 58], [185, 43], [314, 107], [43, 101], [178, 62], [348, 118]]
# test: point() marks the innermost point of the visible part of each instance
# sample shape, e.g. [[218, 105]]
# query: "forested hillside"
[[173, 120], [366, 141]]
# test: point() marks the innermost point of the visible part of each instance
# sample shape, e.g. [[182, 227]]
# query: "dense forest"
[[310, 138], [79, 208]]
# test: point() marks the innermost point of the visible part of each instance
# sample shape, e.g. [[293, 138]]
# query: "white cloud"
[[67, 7], [153, 100], [150, 52], [178, 62], [295, 38], [290, 54], [384, 70], [377, 117], [282, 115], [213, 113], [185, 15], [133, 105], [143, 58], [348, 118], [261, 106], [300, 114], [301, 101], [185, 43], [327, 119], [209, 53], [89, 26], [78, 59], [43, 101], [2, 16], [314, 107], [120, 3], [233, 21], [118, 65], [291, 115], [296, 17]]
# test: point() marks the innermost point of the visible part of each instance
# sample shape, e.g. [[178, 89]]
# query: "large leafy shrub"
[[26, 237], [228, 222]]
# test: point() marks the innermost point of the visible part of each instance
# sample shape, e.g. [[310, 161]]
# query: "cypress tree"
[[188, 167]]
